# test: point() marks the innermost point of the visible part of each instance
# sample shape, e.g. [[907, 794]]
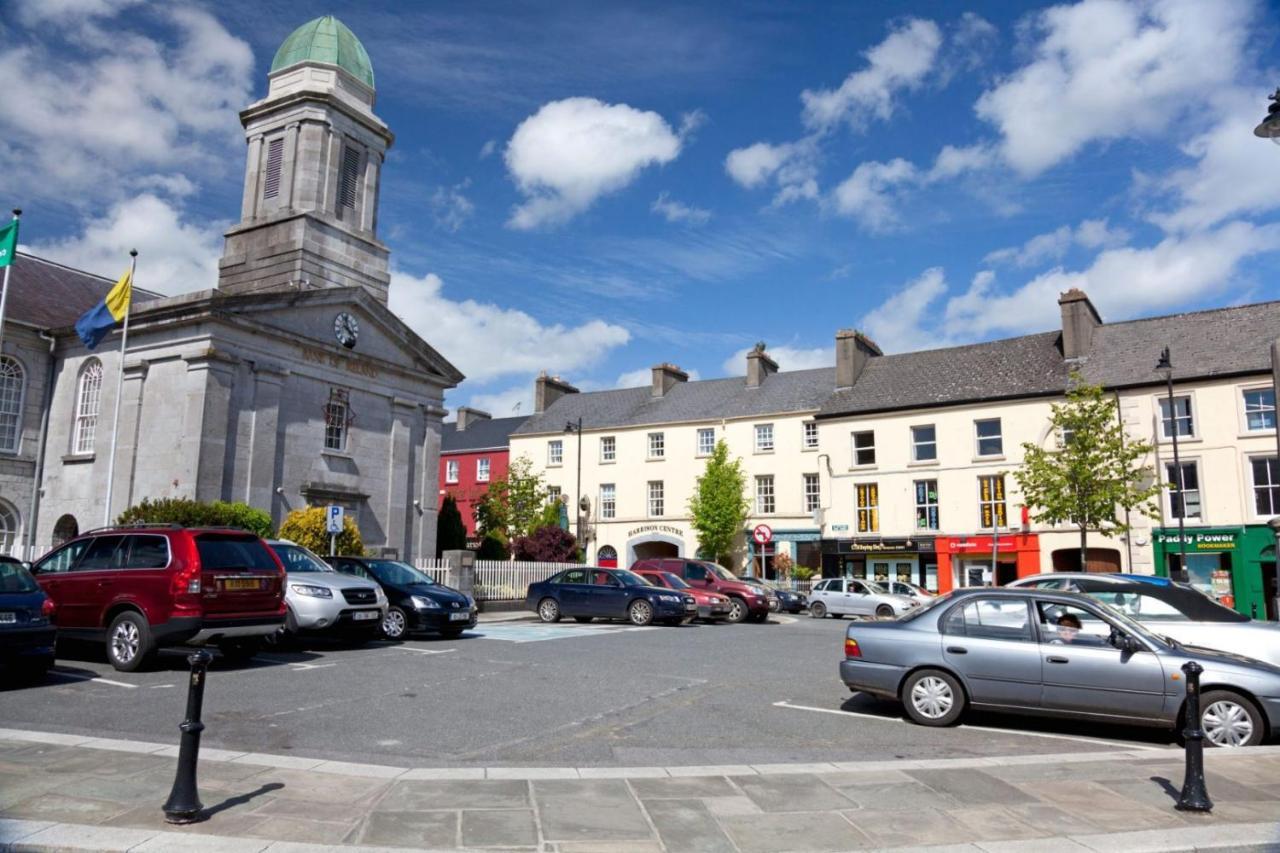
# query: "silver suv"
[[322, 599]]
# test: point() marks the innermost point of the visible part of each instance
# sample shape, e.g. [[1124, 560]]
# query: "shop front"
[[802, 546], [910, 560], [1234, 565], [984, 560]]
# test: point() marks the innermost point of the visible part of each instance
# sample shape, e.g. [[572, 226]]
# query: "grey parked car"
[[852, 597], [322, 599], [1052, 653], [1172, 610]]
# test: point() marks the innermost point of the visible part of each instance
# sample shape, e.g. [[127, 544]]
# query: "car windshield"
[[673, 581], [1128, 624], [928, 607], [398, 574], [719, 571], [297, 559], [877, 587], [14, 578], [630, 578]]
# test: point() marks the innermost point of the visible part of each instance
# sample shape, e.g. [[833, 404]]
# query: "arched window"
[[66, 529], [88, 402], [8, 528], [607, 557], [12, 382]]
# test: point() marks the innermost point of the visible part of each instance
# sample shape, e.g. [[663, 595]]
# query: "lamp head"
[[1269, 127], [1164, 363]]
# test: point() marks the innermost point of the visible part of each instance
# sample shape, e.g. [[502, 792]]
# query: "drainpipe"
[[1128, 536], [44, 436]]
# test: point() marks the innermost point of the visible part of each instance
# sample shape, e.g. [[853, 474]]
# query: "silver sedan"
[[1052, 653], [852, 597]]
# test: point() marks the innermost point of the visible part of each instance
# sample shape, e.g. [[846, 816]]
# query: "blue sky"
[[592, 188]]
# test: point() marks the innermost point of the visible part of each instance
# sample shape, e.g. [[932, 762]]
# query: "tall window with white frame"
[[88, 402], [8, 528], [608, 448], [451, 471], [992, 510], [810, 441], [1184, 490], [657, 445], [812, 493], [555, 452], [764, 495], [864, 448], [926, 504], [867, 496], [482, 469], [1266, 485], [1260, 409], [608, 500], [553, 494], [337, 417], [990, 439], [924, 443], [764, 438], [657, 507], [12, 380], [1179, 418], [706, 441]]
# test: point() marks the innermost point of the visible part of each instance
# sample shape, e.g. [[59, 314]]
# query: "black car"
[[592, 593], [781, 599], [26, 621], [416, 603]]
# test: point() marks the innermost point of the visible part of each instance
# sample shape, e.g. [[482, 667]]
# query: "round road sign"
[[763, 534]]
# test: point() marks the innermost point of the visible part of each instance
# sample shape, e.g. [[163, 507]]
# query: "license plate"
[[241, 583], [364, 615], [8, 618], [691, 607], [459, 617]]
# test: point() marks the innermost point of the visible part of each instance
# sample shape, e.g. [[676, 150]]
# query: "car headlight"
[[311, 591], [423, 603], [471, 602], [379, 595], [668, 598]]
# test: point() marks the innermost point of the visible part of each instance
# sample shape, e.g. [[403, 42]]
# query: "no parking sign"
[[763, 534]]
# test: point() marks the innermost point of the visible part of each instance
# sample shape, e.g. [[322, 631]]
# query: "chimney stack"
[[548, 389], [665, 377], [467, 416], [759, 366], [1079, 319], [853, 350]]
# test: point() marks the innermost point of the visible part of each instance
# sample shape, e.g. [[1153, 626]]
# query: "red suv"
[[139, 588], [745, 600]]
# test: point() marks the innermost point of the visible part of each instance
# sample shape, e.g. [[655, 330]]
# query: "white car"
[[851, 597], [320, 598]]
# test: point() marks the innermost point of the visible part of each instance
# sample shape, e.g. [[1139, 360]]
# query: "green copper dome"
[[325, 40]]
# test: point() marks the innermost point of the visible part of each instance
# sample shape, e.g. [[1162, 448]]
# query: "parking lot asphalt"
[[523, 694]]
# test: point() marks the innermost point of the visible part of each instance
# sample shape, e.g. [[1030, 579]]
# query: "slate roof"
[[708, 399], [479, 435], [50, 296]]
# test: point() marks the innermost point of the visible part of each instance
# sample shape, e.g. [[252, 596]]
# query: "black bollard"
[[183, 805], [1195, 798]]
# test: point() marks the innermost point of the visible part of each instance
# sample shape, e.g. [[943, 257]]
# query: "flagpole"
[[115, 424], [4, 288]]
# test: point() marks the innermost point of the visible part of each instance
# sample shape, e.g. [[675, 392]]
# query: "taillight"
[[48, 608], [851, 649], [186, 581]]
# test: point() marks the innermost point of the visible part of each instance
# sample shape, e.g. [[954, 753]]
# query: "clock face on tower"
[[346, 330]]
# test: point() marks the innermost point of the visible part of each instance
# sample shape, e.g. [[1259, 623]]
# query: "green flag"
[[8, 243]]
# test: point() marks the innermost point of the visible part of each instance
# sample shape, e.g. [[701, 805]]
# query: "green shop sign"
[[1202, 540]]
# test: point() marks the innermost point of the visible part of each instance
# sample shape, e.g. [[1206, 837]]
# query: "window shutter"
[[275, 163], [350, 177]]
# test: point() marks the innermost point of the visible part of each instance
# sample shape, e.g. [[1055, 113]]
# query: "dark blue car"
[[26, 621], [591, 593], [415, 601]]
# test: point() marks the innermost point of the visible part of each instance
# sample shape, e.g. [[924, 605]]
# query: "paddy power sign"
[[1201, 540]]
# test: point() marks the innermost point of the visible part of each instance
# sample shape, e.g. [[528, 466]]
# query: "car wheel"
[[548, 610], [1230, 720], [128, 641], [640, 612], [932, 697], [884, 611], [818, 610], [395, 624], [583, 619], [775, 605], [737, 610], [239, 651]]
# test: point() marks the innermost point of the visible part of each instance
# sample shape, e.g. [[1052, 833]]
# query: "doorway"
[[655, 550], [1270, 591]]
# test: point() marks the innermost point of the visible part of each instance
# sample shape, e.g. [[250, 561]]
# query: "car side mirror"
[[1123, 641]]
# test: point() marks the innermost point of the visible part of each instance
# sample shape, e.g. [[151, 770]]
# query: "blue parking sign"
[[333, 519]]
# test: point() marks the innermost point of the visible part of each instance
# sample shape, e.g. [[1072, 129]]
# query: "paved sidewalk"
[[62, 792]]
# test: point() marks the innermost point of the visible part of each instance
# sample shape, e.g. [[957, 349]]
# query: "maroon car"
[[712, 607], [746, 602]]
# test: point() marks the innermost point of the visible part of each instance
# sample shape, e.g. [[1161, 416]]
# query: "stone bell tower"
[[310, 211]]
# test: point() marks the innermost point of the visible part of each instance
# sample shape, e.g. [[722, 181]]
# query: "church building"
[[289, 383]]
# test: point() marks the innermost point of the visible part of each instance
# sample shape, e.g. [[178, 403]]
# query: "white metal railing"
[[438, 569], [498, 580]]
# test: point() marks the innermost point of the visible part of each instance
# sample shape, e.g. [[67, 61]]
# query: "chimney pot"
[[468, 416], [1079, 320], [548, 389], [665, 377], [759, 366], [853, 351]]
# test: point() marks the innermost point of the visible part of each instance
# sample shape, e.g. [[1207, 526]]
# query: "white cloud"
[[897, 323], [788, 358], [507, 403], [450, 206], [571, 152], [870, 194], [486, 341], [1104, 70], [900, 62], [174, 255], [1054, 245], [756, 164], [129, 103], [488, 149], [952, 162], [676, 211]]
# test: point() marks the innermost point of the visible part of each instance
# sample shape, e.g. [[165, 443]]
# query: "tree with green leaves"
[[451, 533], [1092, 477], [719, 505], [309, 528], [513, 504]]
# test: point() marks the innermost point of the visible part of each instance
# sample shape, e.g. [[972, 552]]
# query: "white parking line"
[[425, 651], [79, 676], [1080, 738]]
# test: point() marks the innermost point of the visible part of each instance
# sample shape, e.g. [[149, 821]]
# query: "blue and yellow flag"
[[93, 326]]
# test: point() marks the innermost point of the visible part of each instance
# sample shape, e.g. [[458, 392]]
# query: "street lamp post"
[[1166, 366], [1269, 128], [576, 429]]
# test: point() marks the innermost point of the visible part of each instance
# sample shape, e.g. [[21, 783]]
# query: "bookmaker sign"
[[1202, 540]]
